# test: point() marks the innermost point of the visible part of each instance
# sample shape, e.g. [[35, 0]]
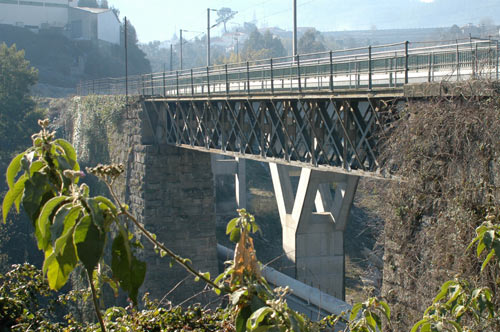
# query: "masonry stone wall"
[[171, 192]]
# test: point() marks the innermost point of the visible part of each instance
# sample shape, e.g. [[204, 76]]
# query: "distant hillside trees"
[[64, 62], [262, 46], [311, 42]]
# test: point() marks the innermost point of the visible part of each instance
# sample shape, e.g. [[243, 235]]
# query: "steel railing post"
[[248, 78], [177, 81], [192, 83], [164, 85], [208, 80], [272, 76], [430, 68], [370, 67], [143, 86], [331, 70], [496, 55], [476, 63], [152, 86], [227, 79], [457, 55], [406, 62], [298, 72]]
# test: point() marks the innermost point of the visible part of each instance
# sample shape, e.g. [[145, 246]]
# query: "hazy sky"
[[160, 19]]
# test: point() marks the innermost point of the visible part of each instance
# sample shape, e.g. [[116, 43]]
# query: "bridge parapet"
[[371, 67]]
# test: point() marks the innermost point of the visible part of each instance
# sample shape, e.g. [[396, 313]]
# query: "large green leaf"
[[43, 223], [89, 243], [258, 317], [63, 260], [96, 213], [12, 195], [13, 169], [66, 215], [69, 152], [108, 203], [130, 273], [231, 225], [37, 191]]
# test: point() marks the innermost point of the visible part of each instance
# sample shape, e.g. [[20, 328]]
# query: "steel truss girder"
[[324, 133]]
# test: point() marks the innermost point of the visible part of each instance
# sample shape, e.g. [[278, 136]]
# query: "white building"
[[94, 24], [79, 22]]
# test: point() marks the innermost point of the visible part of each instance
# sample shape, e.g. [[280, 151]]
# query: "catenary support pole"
[[295, 51], [126, 62], [180, 33], [208, 37]]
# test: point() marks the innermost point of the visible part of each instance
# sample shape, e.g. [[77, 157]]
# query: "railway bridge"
[[322, 114]]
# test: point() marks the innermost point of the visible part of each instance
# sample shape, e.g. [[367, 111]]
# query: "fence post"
[[496, 56], [331, 70], [152, 86], [192, 82], [93, 87], [406, 62], [143, 86], [208, 80], [177, 81], [227, 79], [476, 67], [164, 85], [370, 67], [430, 68], [248, 78], [458, 62], [272, 76], [298, 72]]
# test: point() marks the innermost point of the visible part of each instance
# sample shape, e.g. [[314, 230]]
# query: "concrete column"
[[313, 223], [221, 165]]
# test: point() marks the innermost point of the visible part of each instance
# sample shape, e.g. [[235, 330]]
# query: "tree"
[[259, 46], [311, 42], [17, 108], [224, 15], [18, 118]]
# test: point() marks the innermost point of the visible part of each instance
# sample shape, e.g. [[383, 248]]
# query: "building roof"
[[93, 10]]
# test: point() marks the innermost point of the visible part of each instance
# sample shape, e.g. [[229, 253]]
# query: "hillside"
[[62, 62]]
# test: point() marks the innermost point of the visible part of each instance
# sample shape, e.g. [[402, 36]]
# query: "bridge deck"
[[325, 111]]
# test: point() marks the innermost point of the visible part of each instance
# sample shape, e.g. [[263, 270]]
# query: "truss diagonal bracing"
[[324, 133]]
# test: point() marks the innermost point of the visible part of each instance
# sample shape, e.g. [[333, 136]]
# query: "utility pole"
[[237, 49], [208, 37], [294, 50], [126, 62], [171, 57], [208, 33], [181, 48]]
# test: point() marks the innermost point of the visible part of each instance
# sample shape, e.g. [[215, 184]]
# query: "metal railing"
[[388, 66]]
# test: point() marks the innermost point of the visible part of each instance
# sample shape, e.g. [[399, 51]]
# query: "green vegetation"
[[18, 118], [63, 62], [259, 46], [73, 229], [311, 42]]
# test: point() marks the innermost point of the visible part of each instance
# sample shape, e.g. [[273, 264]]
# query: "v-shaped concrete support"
[[313, 223]]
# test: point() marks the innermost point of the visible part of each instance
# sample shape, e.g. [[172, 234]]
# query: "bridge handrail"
[[390, 59]]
